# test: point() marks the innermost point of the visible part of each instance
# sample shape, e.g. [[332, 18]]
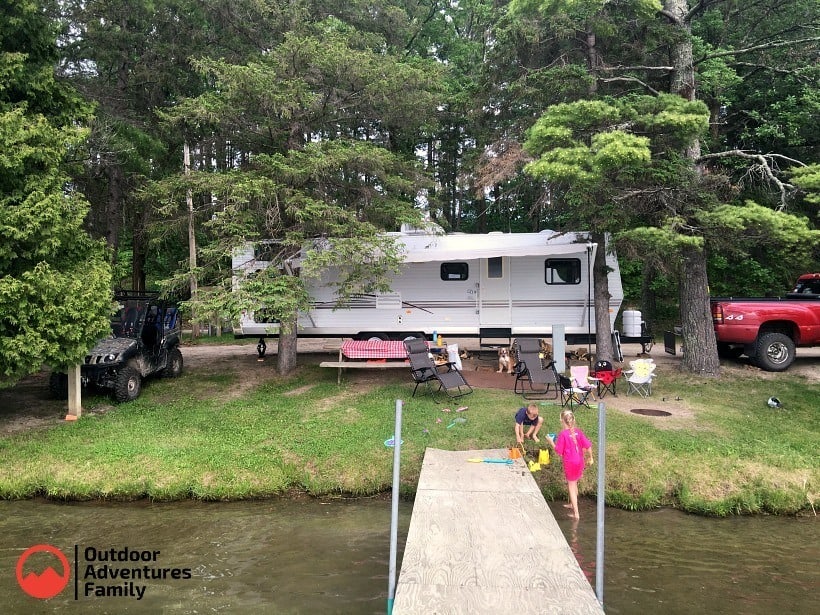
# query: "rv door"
[[494, 292]]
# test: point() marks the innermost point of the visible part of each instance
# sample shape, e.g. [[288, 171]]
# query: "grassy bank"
[[211, 436]]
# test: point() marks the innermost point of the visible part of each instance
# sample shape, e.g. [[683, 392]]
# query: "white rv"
[[495, 285]]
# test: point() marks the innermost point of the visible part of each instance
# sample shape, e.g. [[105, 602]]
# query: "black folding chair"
[[570, 394], [425, 371]]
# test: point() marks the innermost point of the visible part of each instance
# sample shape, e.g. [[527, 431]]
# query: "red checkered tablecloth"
[[373, 349]]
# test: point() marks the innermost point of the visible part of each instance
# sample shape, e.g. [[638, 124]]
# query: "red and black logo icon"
[[47, 583]]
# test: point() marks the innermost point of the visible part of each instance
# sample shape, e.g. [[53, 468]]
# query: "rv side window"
[[454, 271], [495, 267], [563, 271]]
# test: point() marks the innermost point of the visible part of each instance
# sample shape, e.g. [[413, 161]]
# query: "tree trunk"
[[700, 348], [189, 201], [139, 253], [113, 208], [592, 60], [649, 303], [286, 357], [603, 324], [699, 345]]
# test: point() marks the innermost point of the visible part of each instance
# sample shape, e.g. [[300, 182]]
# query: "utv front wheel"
[[173, 369], [128, 385], [58, 385]]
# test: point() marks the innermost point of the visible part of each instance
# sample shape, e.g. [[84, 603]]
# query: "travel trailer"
[[494, 285]]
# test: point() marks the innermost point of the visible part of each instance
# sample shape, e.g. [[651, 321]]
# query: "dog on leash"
[[504, 360]]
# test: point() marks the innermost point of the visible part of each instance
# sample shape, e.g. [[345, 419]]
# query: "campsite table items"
[[374, 349]]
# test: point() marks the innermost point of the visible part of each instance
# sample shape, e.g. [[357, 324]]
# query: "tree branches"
[[764, 166]]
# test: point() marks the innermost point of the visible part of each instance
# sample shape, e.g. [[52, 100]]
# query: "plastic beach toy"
[[391, 441]]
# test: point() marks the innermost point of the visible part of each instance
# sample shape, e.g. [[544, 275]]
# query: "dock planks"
[[482, 540]]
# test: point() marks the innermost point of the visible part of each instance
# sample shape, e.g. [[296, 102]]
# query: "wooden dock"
[[483, 540]]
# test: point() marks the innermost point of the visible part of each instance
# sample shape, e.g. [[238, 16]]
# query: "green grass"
[[192, 438]]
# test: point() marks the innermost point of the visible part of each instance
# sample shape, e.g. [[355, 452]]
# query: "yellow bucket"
[[534, 467], [543, 457]]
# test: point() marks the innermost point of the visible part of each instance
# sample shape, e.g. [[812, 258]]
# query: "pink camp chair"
[[582, 386]]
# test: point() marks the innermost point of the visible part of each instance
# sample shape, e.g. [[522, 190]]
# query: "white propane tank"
[[632, 323]]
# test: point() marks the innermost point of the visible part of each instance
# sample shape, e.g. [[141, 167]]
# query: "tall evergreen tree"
[[315, 124], [54, 279]]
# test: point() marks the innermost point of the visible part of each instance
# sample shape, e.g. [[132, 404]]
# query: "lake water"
[[331, 556]]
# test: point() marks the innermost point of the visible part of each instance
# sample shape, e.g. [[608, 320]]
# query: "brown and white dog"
[[504, 360]]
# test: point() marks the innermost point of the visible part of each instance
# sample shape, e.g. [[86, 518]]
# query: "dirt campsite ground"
[[28, 405]]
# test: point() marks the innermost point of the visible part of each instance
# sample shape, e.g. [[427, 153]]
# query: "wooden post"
[[75, 407]]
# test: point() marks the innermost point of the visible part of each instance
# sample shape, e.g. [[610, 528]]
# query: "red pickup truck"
[[768, 330]]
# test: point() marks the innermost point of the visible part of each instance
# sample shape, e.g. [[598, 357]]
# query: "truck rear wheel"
[[775, 352], [128, 385]]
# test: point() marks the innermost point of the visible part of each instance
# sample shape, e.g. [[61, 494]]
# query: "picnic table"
[[373, 349], [369, 354]]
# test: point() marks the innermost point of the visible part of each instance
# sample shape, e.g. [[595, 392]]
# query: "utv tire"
[[173, 369], [128, 385], [775, 352], [58, 385]]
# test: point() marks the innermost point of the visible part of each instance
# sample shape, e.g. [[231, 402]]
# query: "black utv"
[[144, 341]]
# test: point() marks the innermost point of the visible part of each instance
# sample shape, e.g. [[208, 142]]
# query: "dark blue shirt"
[[522, 419]]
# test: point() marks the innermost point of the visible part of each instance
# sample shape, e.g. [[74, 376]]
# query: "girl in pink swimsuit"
[[572, 446]]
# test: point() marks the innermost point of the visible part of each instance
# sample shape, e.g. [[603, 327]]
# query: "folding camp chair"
[[425, 371], [529, 369], [606, 377], [570, 396], [579, 377], [639, 378]]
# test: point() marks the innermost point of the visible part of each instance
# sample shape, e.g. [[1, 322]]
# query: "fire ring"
[[650, 412]]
